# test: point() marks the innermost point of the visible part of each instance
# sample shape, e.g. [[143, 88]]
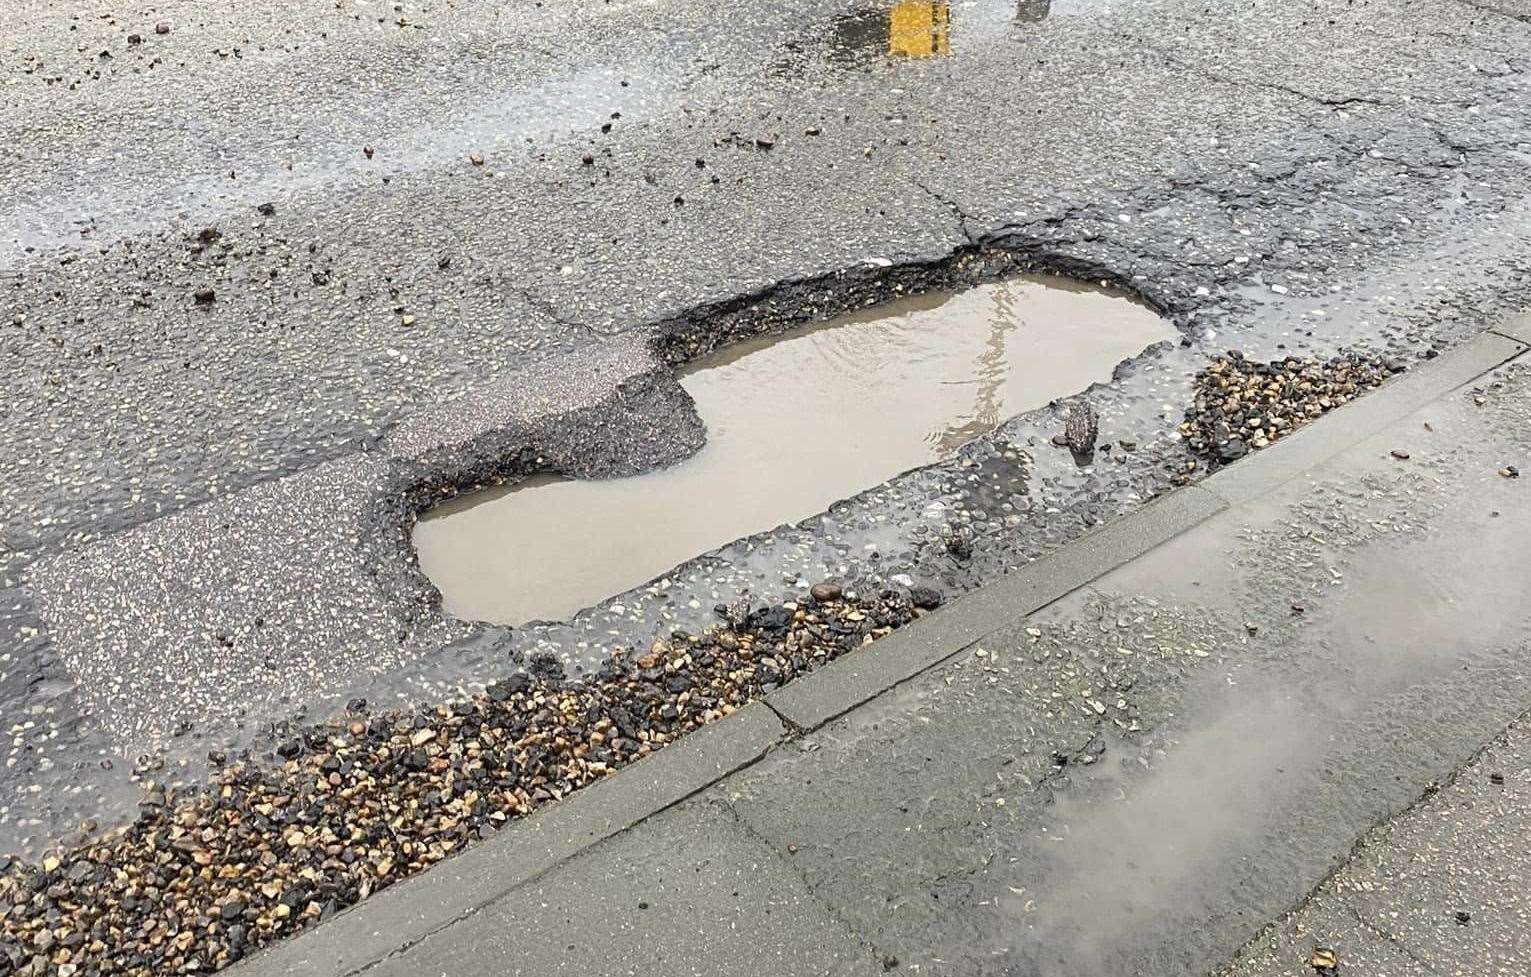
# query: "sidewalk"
[[1126, 759]]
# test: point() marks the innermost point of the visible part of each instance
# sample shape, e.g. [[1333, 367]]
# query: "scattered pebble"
[[203, 877], [1243, 405]]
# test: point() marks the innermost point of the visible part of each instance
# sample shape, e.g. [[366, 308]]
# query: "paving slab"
[[1439, 890], [690, 892], [1286, 949], [1451, 881]]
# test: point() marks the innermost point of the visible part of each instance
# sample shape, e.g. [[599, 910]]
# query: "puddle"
[[1281, 761], [795, 423], [897, 30]]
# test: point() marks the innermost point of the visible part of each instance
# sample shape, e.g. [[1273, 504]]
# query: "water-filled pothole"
[[794, 423]]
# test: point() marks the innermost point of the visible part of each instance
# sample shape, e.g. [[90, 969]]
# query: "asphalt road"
[[245, 261]]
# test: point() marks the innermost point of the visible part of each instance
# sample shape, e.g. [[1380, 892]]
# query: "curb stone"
[[850, 681], [1517, 328]]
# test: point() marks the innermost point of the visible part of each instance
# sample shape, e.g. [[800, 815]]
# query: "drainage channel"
[[795, 423]]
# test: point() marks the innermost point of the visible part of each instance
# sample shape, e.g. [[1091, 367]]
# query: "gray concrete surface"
[[1440, 890], [720, 904], [1302, 178], [1140, 777]]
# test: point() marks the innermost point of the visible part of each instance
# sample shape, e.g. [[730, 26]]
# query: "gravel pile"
[[1242, 405], [199, 881]]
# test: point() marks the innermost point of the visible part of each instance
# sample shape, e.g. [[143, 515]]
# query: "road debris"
[[204, 877], [1243, 405]]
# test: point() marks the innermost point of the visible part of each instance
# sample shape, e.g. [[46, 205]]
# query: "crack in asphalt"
[[950, 204], [1512, 15], [1339, 103], [543, 305], [1388, 938]]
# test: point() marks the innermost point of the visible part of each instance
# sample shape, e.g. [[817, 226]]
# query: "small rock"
[[204, 296], [1081, 428], [1324, 960], [1232, 450], [1400, 454], [1509, 471], [826, 591], [925, 598], [162, 28]]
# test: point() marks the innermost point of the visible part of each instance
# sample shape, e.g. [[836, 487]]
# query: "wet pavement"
[[260, 303], [1311, 699], [1157, 764]]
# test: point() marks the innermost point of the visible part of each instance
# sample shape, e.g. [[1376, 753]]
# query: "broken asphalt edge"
[[404, 914]]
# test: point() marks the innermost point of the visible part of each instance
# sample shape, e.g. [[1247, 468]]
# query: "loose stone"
[[342, 809]]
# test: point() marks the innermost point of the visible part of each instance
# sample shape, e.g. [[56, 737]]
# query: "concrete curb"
[[846, 683], [404, 914]]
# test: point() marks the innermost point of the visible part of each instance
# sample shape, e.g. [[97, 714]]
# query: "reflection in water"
[[990, 372], [913, 29], [794, 423], [918, 29]]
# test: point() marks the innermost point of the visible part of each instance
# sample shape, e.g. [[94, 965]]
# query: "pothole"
[[795, 423]]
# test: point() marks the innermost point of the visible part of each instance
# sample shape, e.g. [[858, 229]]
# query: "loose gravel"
[[1243, 405], [203, 878]]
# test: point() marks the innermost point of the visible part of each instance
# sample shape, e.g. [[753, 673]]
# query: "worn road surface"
[[275, 277], [1296, 732]]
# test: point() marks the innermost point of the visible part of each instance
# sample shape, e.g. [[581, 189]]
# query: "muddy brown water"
[[795, 423]]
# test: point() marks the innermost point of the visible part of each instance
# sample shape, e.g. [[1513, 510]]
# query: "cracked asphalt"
[[274, 278]]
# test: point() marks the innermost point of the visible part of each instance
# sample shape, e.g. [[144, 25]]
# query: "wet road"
[[243, 260]]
